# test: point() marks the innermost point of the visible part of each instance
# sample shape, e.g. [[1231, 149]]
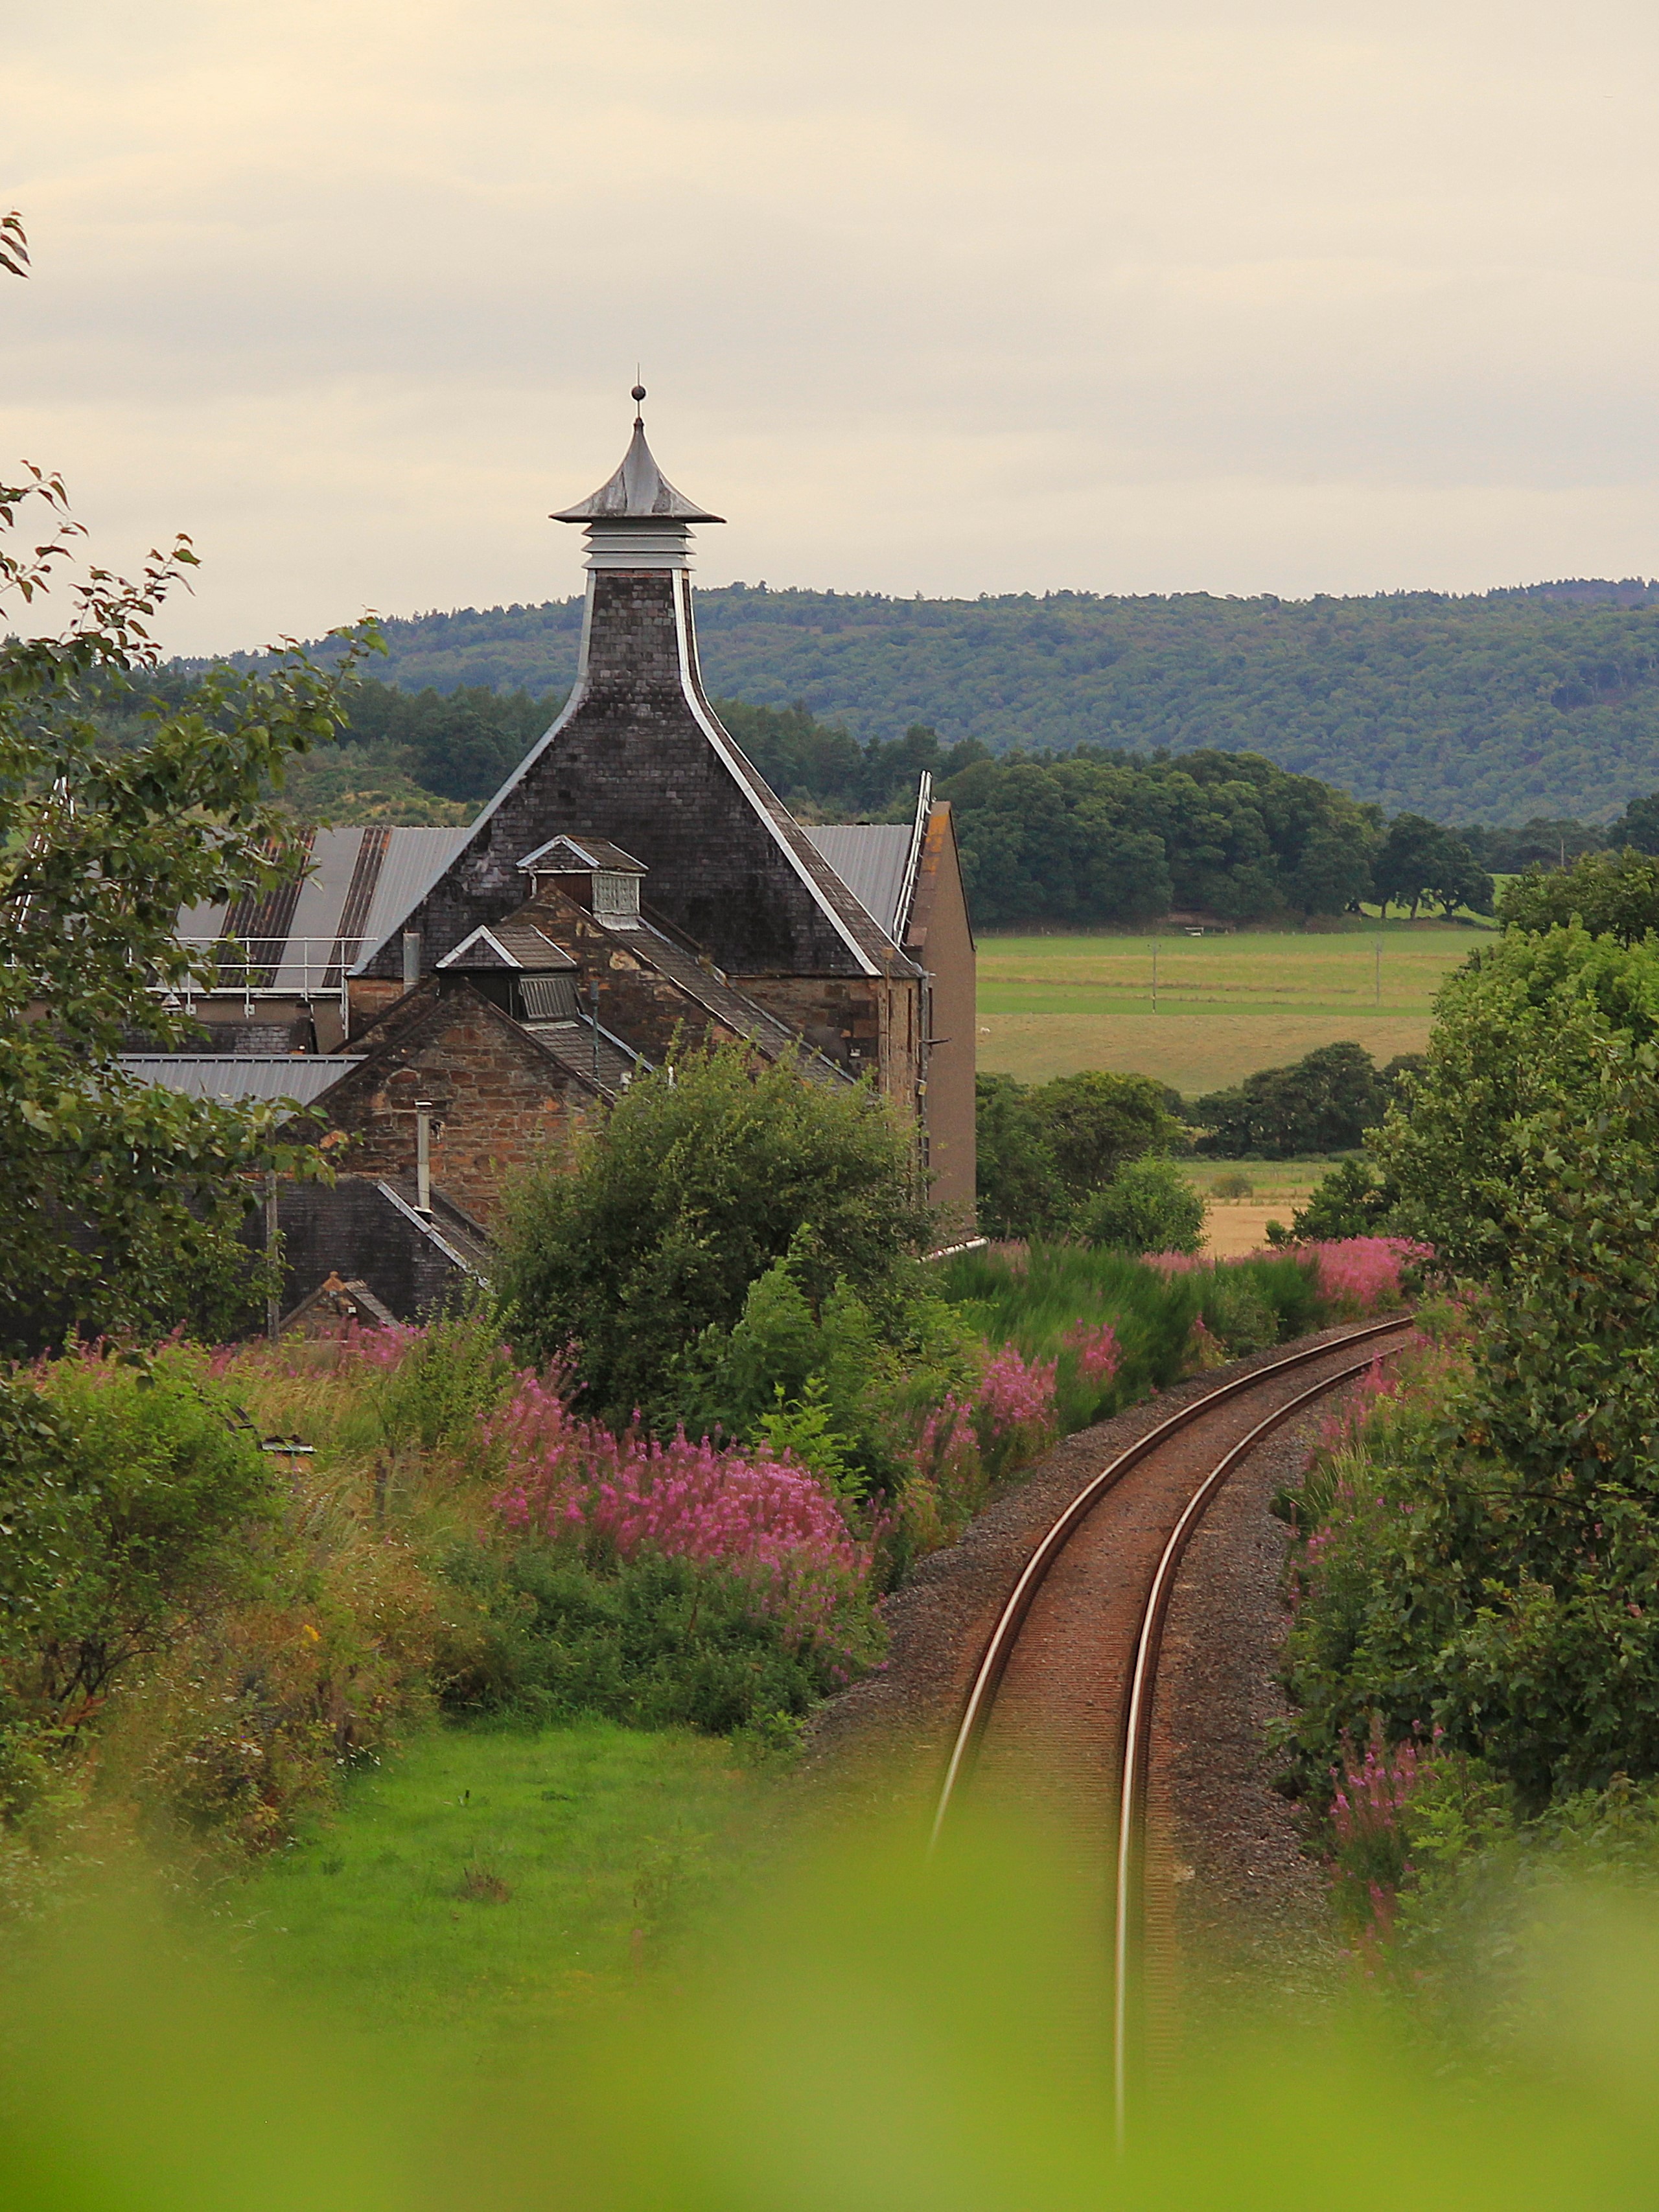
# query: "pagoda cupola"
[[637, 519]]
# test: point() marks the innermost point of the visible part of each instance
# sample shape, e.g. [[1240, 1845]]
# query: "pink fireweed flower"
[[1015, 1394], [1364, 1272], [1099, 1352], [946, 1450], [740, 1508]]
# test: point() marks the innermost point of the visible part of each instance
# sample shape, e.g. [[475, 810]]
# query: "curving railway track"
[[1062, 1701]]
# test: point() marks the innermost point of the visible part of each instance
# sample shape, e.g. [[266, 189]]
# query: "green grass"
[[1034, 1302], [489, 1882], [1272, 1182], [1226, 1006]]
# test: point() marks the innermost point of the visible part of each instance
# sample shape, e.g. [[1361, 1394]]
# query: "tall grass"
[[1044, 1298]]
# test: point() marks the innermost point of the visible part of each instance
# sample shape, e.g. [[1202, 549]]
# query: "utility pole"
[[1379, 967], [1155, 974]]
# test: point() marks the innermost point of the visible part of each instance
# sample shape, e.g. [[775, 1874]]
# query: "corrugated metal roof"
[[317, 912], [872, 858], [415, 860], [299, 1076], [392, 871]]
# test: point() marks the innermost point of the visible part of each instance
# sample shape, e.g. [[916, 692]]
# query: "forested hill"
[[1541, 700]]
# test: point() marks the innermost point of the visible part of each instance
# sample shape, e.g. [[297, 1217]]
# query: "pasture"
[[1225, 1005]]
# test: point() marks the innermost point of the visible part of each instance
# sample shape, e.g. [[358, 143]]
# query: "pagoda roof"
[[638, 492]]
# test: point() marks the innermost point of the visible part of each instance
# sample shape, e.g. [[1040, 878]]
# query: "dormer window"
[[594, 872]]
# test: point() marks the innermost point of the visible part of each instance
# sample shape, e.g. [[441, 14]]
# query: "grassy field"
[[487, 1882], [1226, 1006], [1237, 1222]]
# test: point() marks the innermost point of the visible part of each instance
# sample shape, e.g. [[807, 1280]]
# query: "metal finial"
[[637, 395]]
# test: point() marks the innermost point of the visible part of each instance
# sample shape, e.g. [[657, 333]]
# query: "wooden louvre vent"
[[548, 998]]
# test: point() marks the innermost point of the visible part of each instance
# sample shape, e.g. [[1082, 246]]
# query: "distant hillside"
[[1540, 701]]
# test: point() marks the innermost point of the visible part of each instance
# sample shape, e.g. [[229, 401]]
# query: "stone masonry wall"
[[941, 941], [499, 1102], [865, 1024]]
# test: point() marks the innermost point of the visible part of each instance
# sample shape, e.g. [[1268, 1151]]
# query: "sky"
[[1297, 296]]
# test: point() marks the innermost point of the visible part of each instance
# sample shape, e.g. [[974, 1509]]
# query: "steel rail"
[[1137, 1722], [993, 1663]]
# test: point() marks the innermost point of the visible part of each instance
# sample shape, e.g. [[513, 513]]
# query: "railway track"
[[1068, 1679]]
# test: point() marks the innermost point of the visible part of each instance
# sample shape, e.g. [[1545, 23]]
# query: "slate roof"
[[711, 990], [573, 1044], [582, 853], [514, 943]]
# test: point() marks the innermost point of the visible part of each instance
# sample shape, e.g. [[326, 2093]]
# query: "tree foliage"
[[1611, 894], [1521, 1029], [1044, 1149], [1488, 708], [701, 1178], [1324, 1102], [1490, 1575], [1420, 860], [119, 1198]]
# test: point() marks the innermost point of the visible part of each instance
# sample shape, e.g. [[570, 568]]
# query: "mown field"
[[1226, 1006]]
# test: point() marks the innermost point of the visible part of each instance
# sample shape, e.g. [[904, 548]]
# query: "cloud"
[[942, 298]]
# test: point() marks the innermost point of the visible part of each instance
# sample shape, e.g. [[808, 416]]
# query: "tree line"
[[1489, 709], [1097, 836]]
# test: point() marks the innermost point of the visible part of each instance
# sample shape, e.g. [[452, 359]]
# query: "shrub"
[[1148, 1207], [128, 1493], [656, 1642], [699, 1180], [1044, 1148]]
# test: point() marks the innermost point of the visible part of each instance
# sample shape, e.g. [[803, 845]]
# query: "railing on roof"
[[249, 968]]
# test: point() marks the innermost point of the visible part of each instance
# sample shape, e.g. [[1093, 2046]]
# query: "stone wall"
[[499, 1102], [867, 1024]]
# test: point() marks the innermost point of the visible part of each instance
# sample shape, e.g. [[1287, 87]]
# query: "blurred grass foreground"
[[874, 2031]]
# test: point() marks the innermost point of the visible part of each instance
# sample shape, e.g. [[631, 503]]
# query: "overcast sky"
[[1297, 296]]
